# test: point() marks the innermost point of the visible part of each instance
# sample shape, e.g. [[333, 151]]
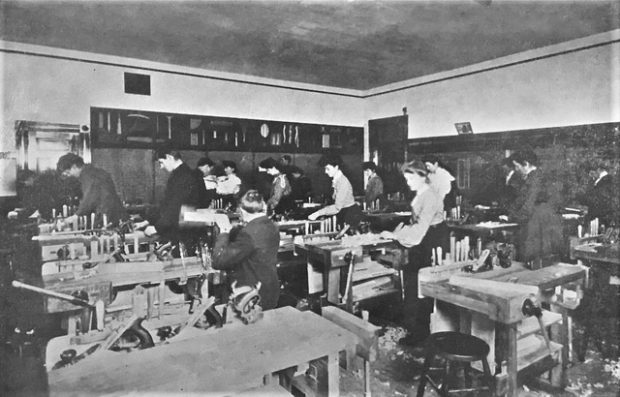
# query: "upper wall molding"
[[585, 43], [160, 67], [566, 47]]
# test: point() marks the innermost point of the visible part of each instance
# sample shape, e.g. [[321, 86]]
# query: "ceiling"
[[352, 44]]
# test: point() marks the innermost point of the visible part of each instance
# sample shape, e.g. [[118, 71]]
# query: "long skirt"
[[416, 311], [352, 216]]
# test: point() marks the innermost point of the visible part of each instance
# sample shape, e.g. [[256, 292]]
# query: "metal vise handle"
[[53, 294]]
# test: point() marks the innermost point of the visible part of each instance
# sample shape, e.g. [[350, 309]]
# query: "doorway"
[[388, 149]]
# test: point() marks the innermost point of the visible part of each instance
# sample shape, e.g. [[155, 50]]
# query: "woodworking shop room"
[[310, 198]]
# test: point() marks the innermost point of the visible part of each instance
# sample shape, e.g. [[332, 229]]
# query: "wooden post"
[[559, 333], [333, 285], [150, 302], [511, 359], [161, 297], [333, 375], [367, 378]]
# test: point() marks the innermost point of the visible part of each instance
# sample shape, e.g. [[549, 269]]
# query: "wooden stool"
[[455, 347]]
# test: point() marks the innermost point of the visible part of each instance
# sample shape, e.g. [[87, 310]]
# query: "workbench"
[[483, 229], [589, 249], [91, 244], [598, 314], [215, 361], [489, 305], [100, 281], [326, 260]]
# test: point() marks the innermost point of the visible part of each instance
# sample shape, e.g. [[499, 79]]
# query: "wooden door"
[[388, 148]]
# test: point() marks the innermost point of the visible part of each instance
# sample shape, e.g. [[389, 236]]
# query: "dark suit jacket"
[[531, 193], [600, 199], [374, 190], [206, 196], [540, 231], [99, 195], [184, 187], [508, 192], [250, 256], [301, 188]]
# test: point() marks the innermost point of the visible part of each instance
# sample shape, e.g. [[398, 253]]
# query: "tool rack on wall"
[[149, 130]]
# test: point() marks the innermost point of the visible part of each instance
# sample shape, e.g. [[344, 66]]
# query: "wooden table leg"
[[511, 360], [333, 375], [559, 333], [161, 297], [150, 302], [333, 285]]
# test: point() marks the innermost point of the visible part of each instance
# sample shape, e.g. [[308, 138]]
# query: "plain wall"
[[573, 83], [60, 86]]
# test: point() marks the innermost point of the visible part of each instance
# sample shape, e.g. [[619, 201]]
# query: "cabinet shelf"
[[125, 128]]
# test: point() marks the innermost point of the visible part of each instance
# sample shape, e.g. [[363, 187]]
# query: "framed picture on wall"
[[464, 128]]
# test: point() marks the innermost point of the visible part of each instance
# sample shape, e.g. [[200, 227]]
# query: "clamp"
[[245, 301]]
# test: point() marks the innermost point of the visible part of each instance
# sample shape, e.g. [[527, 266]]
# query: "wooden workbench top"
[[602, 253], [86, 236], [233, 358], [544, 278], [401, 214], [126, 273], [500, 293], [483, 227]]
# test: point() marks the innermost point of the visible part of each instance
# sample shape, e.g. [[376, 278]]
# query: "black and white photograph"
[[271, 198]]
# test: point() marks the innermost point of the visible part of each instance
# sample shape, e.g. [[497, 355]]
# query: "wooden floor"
[[395, 373]]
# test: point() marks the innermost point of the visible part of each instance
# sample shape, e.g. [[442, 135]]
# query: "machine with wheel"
[[122, 290], [139, 329]]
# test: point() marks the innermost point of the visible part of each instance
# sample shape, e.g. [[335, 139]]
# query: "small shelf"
[[373, 288], [530, 325], [371, 270], [376, 294], [531, 350]]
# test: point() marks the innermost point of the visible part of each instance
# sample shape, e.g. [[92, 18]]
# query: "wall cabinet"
[[148, 130]]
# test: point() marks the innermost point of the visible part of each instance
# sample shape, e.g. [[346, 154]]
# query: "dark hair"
[[68, 160], [205, 161], [524, 156], [369, 165], [295, 170], [331, 159], [430, 158], [161, 153], [231, 164], [252, 202], [414, 167], [600, 165], [268, 163]]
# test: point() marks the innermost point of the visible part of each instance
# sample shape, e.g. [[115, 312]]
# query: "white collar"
[[529, 171], [601, 176], [510, 175], [177, 164], [337, 175], [424, 188]]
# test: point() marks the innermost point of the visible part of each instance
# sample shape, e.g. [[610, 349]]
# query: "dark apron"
[[352, 216], [417, 312]]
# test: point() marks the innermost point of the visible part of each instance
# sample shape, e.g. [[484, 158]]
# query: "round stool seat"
[[456, 346]]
